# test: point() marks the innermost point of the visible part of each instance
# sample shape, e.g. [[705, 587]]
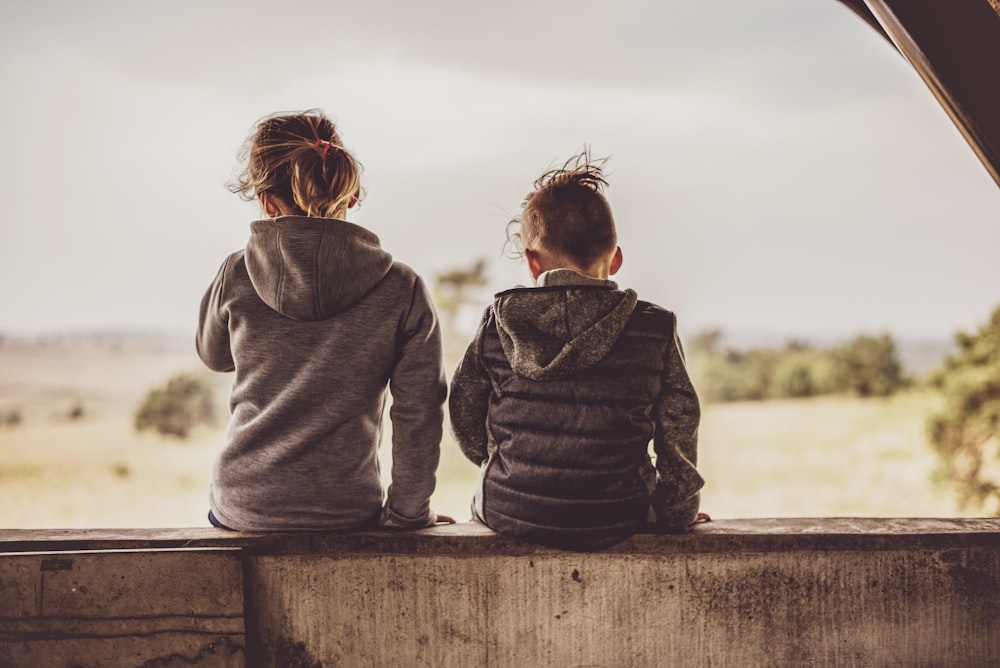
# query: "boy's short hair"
[[567, 214]]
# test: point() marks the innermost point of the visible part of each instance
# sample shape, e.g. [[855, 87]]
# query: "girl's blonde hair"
[[300, 159]]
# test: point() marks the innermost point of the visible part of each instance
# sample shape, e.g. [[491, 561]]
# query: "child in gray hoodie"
[[316, 320], [567, 383]]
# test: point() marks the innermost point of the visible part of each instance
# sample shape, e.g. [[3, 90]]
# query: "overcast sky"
[[775, 166]]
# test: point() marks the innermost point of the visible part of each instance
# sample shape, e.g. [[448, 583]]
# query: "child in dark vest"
[[317, 321], [568, 382]]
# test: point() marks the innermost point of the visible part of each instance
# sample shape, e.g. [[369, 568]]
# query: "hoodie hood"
[[566, 324], [313, 268]]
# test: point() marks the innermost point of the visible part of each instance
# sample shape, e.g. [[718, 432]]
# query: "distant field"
[[814, 457], [823, 457]]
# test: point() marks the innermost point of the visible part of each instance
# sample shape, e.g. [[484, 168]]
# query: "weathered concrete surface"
[[121, 609], [370, 610], [791, 592], [835, 608]]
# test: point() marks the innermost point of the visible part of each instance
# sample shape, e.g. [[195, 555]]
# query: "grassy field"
[[815, 457]]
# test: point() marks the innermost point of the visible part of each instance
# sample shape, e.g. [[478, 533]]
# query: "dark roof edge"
[[953, 47]]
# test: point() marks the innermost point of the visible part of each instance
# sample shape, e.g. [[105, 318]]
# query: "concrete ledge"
[[754, 535], [784, 592]]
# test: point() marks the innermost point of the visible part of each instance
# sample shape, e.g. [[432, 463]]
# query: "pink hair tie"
[[321, 142]]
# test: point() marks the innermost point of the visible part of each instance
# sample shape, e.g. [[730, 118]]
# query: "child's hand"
[[386, 522], [700, 518]]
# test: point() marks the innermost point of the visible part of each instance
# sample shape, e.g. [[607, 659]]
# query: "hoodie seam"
[[414, 286], [281, 270], [480, 342], [403, 326], [217, 311], [317, 309], [490, 372]]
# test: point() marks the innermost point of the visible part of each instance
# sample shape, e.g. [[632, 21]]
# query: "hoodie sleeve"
[[678, 413], [469, 400], [418, 390], [212, 339]]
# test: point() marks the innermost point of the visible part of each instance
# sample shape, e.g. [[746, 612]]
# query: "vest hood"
[[561, 327]]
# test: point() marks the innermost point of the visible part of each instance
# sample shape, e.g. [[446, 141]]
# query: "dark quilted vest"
[[566, 470]]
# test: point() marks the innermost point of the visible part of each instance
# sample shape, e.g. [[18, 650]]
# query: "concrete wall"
[[737, 593], [160, 608]]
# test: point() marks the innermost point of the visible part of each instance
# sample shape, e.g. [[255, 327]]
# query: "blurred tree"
[[733, 375], [705, 342], [12, 418], [802, 370], [869, 366], [455, 288], [76, 412], [176, 408], [966, 432], [792, 378]]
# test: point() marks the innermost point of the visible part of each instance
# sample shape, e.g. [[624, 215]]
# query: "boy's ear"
[[616, 262], [534, 263]]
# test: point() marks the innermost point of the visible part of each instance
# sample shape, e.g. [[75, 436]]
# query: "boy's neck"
[[567, 276], [541, 261]]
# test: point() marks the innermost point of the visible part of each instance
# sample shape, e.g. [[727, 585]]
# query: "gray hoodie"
[[316, 320]]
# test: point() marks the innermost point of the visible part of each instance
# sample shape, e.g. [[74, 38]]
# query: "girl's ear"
[[616, 262], [351, 203], [268, 206]]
